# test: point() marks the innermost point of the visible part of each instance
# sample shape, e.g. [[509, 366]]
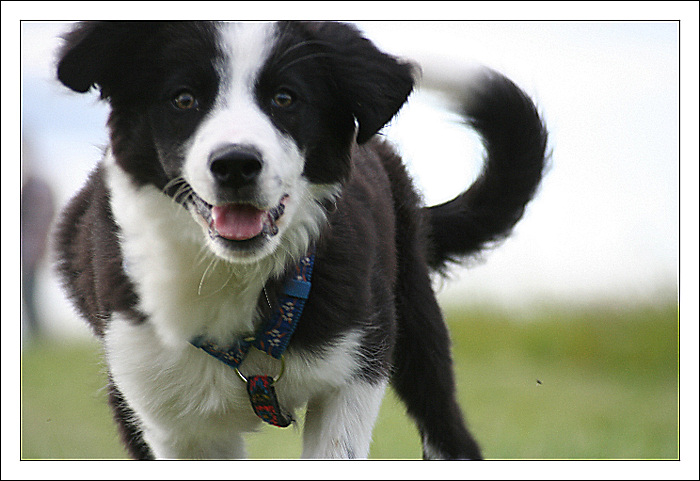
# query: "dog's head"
[[248, 126]]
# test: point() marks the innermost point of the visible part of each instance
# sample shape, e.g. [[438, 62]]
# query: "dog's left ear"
[[372, 83]]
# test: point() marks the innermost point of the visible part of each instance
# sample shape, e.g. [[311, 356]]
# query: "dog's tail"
[[515, 140]]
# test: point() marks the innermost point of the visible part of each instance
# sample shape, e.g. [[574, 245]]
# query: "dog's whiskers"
[[182, 190], [306, 43], [214, 264], [304, 58], [204, 275]]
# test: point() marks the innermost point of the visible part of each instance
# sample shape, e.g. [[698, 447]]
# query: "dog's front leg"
[[339, 424]]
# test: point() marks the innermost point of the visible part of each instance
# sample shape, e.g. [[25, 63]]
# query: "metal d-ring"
[[279, 376]]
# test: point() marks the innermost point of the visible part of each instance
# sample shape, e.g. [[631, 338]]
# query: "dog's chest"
[[171, 385], [165, 382], [183, 389], [169, 382]]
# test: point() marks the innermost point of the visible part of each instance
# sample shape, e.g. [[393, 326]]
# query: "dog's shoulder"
[[89, 260], [408, 204]]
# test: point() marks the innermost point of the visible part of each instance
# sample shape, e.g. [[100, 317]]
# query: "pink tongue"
[[237, 221]]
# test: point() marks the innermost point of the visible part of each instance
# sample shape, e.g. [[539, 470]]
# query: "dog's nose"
[[235, 166]]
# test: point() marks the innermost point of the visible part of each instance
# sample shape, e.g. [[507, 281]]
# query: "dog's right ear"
[[97, 54], [80, 63]]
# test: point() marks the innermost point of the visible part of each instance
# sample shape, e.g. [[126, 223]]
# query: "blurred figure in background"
[[36, 214]]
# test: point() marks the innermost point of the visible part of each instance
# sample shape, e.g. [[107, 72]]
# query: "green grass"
[[609, 390]]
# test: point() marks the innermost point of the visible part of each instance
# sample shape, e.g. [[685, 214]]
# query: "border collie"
[[238, 153]]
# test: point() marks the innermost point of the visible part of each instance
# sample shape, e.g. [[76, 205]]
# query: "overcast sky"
[[605, 222]]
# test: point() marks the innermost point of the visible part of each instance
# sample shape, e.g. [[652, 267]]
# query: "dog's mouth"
[[239, 224]]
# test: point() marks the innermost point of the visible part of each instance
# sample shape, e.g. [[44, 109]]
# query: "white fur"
[[192, 405], [236, 118], [339, 425], [177, 279], [189, 404], [180, 280]]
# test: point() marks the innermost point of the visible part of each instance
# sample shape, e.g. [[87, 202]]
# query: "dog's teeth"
[[278, 211], [270, 230]]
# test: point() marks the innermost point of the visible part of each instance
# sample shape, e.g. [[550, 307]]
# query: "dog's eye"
[[283, 99], [185, 100]]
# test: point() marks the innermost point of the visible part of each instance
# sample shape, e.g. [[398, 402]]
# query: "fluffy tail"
[[515, 139]]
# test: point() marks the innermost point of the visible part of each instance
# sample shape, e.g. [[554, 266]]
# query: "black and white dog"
[[237, 150]]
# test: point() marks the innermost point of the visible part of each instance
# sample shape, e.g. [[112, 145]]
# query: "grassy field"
[[593, 384]]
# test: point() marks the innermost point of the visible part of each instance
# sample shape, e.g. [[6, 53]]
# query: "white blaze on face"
[[237, 119]]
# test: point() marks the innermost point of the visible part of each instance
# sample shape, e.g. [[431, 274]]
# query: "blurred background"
[[566, 335], [605, 224]]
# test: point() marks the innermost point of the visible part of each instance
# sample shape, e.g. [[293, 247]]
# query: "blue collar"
[[273, 338]]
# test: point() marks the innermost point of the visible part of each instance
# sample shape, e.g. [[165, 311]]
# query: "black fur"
[[90, 260], [130, 433], [375, 256], [515, 139]]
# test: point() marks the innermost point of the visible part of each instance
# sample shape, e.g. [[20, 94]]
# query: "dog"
[[249, 246]]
